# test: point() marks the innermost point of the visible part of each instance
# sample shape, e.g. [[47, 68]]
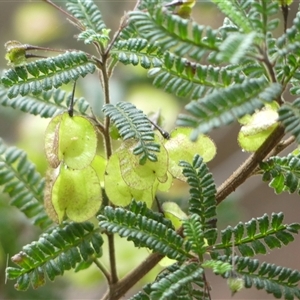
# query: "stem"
[[108, 148], [278, 148], [112, 260], [105, 84], [206, 287], [102, 269], [132, 278], [249, 166]]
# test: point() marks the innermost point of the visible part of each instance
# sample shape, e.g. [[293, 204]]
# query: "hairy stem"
[[249, 166]]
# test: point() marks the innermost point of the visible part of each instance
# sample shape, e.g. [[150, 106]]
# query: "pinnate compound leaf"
[[144, 232], [273, 279], [289, 115], [133, 124], [255, 236], [58, 250], [235, 47], [194, 233], [52, 72], [202, 200], [138, 207], [169, 286], [138, 51], [169, 31], [217, 266], [23, 184], [223, 106], [235, 12], [282, 173], [43, 103], [87, 13]]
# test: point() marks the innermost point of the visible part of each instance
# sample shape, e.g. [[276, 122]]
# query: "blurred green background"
[[34, 22]]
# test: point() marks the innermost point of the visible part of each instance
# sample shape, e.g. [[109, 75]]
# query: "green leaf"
[[169, 31], [202, 195], [90, 36], [132, 123], [273, 279], [170, 285], [53, 72], [138, 51], [225, 105], [235, 12], [87, 13], [217, 266], [193, 232], [235, 47], [144, 232], [282, 172], [289, 114], [23, 184], [261, 232], [35, 263], [45, 104]]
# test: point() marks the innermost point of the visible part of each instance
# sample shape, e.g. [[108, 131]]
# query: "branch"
[[249, 166], [277, 149], [102, 269], [117, 291]]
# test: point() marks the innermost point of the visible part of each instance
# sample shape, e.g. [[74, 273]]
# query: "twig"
[[206, 287], [132, 278], [280, 147], [103, 269], [123, 24], [249, 166], [105, 86]]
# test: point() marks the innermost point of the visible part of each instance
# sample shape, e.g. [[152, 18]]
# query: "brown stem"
[[108, 148], [132, 278], [112, 260], [278, 148], [247, 168]]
